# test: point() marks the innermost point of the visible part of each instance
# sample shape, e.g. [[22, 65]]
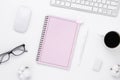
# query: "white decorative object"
[[24, 73], [115, 71]]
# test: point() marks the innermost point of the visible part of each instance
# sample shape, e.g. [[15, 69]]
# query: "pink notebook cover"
[[57, 42]]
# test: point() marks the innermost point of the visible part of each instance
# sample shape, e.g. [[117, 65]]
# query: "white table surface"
[[94, 48]]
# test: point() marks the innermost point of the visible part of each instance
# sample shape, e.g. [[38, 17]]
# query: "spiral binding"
[[42, 37]]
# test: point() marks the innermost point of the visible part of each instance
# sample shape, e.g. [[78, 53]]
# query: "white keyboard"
[[104, 7]]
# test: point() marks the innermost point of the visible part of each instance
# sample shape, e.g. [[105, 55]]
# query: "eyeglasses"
[[19, 50]]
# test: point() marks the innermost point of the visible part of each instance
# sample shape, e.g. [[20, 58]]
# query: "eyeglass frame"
[[11, 52]]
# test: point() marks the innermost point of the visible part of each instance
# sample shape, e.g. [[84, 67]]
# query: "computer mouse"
[[22, 19]]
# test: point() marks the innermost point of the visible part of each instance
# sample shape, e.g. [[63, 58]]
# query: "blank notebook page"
[[58, 43]]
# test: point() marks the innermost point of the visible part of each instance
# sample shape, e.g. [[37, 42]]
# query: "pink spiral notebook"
[[57, 42]]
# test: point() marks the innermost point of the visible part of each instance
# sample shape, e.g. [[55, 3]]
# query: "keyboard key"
[[86, 3], [103, 1], [114, 13], [91, 3], [95, 9], [99, 1], [73, 5], [109, 12], [104, 6], [53, 1], [100, 5], [62, 3], [100, 10], [114, 3], [77, 1], [67, 4], [73, 0], [108, 2], [94, 0], [111, 7], [96, 4], [57, 2], [104, 11], [82, 2], [85, 7], [69, 0]]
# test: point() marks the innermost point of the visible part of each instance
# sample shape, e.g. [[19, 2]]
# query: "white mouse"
[[22, 19]]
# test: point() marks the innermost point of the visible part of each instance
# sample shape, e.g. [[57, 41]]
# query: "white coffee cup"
[[112, 41]]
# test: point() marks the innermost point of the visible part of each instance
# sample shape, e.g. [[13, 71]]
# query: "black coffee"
[[112, 39]]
